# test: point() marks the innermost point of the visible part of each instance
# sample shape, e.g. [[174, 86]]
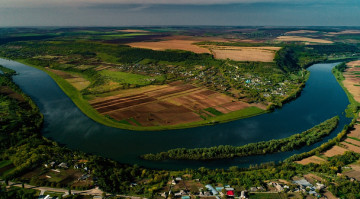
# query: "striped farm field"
[[171, 104]]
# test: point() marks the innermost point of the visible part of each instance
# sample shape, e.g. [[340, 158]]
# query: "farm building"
[[211, 189], [230, 193]]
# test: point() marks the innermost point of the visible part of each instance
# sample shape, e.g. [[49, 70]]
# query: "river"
[[321, 99]]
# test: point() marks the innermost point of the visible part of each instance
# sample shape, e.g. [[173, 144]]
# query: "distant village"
[[233, 78], [179, 188]]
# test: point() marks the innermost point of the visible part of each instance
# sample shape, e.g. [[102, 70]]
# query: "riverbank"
[[89, 111], [66, 124], [348, 138], [296, 141]]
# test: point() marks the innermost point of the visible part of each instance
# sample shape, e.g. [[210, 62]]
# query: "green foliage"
[[7, 71], [17, 193], [213, 111], [18, 117], [287, 60], [129, 78], [295, 141], [341, 67]]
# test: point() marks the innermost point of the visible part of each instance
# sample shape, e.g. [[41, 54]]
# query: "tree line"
[[293, 142]]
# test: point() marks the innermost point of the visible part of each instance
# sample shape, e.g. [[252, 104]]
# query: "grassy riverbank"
[[354, 105], [88, 110]]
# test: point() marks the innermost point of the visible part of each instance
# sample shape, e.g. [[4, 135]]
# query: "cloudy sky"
[[179, 12]]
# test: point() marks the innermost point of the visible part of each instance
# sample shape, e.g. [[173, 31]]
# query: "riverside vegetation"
[[293, 142]]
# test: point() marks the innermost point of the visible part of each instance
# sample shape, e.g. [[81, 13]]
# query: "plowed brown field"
[[311, 159], [305, 39], [170, 104], [171, 44], [262, 54], [335, 150]]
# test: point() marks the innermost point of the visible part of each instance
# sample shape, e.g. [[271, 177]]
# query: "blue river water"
[[321, 99]]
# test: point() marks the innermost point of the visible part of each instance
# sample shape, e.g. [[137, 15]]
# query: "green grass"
[[136, 122], [54, 194], [124, 122], [5, 163], [214, 111], [107, 58], [129, 78], [246, 112], [7, 171], [354, 138]]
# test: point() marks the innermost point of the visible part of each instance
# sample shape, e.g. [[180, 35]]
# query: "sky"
[[179, 12]]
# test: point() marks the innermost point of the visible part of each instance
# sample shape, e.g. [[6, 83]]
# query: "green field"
[[130, 78]]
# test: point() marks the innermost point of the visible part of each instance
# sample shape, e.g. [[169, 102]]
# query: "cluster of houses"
[[218, 192], [209, 77], [301, 186], [53, 165], [305, 186], [209, 191], [227, 191]]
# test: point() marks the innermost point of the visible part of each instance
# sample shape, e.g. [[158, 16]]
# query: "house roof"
[[230, 193]]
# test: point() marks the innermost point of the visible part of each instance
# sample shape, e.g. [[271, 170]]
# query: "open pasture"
[[301, 32], [312, 159], [351, 147], [352, 79], [355, 172], [75, 80], [262, 54], [132, 30], [187, 45], [171, 104], [355, 133], [303, 39], [335, 150]]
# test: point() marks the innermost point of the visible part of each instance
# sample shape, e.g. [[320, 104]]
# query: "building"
[[320, 186], [219, 189], [211, 189], [230, 193], [63, 165]]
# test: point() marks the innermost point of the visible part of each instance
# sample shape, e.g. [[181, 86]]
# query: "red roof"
[[230, 193]]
